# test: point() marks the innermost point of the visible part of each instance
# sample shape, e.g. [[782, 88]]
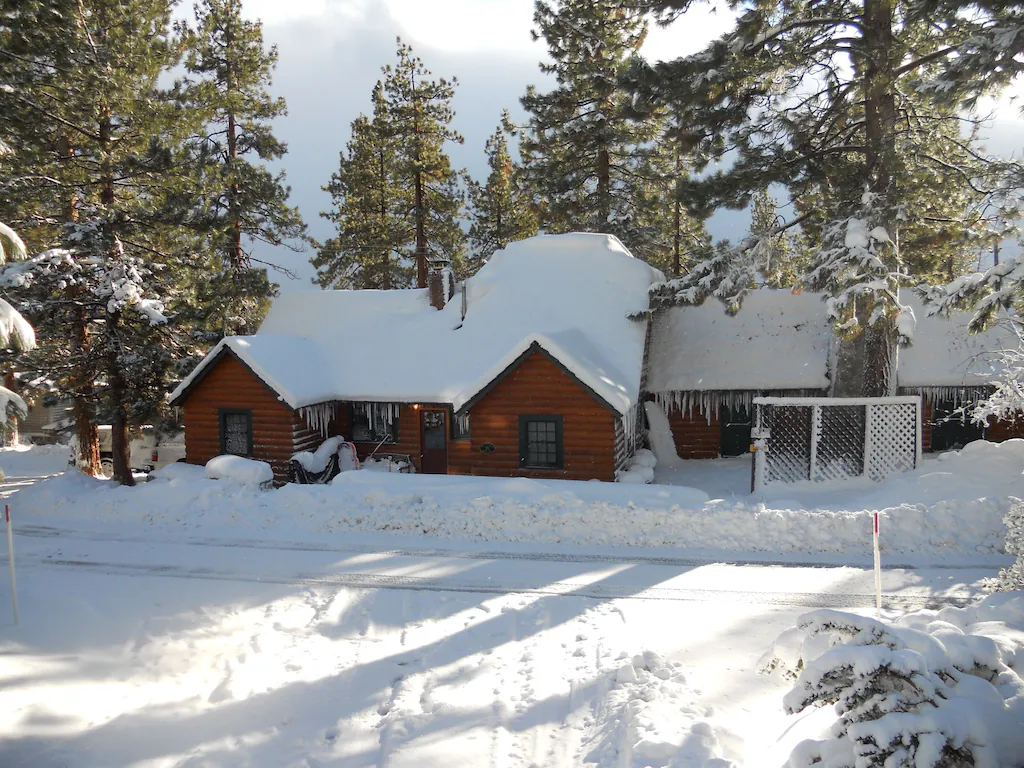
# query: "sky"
[[331, 52]]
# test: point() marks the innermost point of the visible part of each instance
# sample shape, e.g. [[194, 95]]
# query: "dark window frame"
[[524, 420], [222, 414]]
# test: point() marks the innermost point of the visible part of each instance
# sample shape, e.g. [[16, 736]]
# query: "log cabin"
[[533, 367], [539, 365], [706, 366]]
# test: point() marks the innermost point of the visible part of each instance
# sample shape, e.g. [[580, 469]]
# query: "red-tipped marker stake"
[[10, 560], [878, 572]]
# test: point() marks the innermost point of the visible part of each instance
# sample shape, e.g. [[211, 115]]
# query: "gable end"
[[209, 367], [535, 347]]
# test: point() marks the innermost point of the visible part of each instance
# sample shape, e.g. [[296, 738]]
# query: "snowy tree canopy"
[[11, 246]]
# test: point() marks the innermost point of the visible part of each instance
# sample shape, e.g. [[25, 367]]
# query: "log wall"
[[537, 386], [694, 436], [229, 384]]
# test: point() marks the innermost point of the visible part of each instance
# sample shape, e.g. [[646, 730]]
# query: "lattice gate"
[[820, 439]]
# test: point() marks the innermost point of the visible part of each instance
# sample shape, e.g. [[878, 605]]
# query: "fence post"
[[918, 458], [878, 571], [10, 561], [869, 413], [815, 434]]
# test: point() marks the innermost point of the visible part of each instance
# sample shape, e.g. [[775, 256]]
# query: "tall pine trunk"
[[604, 189], [119, 444], [117, 392], [81, 384], [385, 279], [420, 201], [83, 412], [236, 256], [880, 117]]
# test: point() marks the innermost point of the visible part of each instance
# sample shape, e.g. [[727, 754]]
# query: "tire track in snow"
[[49, 532], [558, 589]]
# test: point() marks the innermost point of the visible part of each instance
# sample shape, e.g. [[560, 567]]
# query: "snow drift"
[[951, 506]]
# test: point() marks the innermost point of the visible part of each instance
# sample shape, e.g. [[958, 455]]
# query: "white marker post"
[[10, 561], [878, 572]]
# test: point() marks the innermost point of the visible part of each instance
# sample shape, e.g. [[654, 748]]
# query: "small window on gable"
[[236, 432], [540, 442], [375, 422], [460, 426]]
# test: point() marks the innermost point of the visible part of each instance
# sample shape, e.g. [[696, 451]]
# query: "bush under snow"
[[936, 688], [640, 469], [239, 469], [1013, 577]]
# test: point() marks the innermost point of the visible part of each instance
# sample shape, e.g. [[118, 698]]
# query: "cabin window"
[[460, 426], [236, 432], [375, 422], [540, 442]]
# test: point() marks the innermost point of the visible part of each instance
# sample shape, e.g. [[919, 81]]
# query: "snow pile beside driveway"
[[954, 505]]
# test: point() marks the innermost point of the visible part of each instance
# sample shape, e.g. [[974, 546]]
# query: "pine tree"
[[858, 140], [42, 183], [784, 262], [117, 135], [501, 211], [239, 202], [587, 160], [370, 210], [677, 237], [15, 332], [419, 116]]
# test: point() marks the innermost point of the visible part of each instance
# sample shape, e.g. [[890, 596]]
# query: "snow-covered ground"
[[196, 622]]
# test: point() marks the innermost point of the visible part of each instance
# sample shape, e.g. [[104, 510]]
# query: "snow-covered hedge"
[[239, 469], [1013, 577], [937, 688]]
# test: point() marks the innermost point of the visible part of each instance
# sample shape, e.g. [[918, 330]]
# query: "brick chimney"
[[440, 282]]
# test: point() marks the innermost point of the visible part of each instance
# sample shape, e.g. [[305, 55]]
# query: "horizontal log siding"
[[537, 386], [694, 437], [232, 385]]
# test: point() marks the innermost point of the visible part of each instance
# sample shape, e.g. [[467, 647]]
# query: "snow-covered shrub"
[[1013, 577], [640, 469], [239, 469], [921, 697]]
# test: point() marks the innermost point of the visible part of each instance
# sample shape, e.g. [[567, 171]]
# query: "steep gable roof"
[[571, 294]]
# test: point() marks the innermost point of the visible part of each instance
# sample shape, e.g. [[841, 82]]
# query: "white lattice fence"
[[817, 439]]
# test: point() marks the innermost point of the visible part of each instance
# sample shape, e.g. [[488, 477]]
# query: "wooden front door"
[[434, 442]]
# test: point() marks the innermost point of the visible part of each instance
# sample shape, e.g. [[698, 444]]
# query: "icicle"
[[318, 417]]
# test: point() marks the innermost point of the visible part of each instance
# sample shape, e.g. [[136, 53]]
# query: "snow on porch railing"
[[822, 439]]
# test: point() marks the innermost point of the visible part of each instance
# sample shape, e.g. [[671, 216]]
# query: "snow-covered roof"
[[946, 354], [778, 340], [571, 294], [781, 340]]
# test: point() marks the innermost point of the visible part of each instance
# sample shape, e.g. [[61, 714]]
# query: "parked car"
[[154, 449], [150, 449]]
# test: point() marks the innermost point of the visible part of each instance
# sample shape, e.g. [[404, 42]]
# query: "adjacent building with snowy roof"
[[706, 366], [533, 368]]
